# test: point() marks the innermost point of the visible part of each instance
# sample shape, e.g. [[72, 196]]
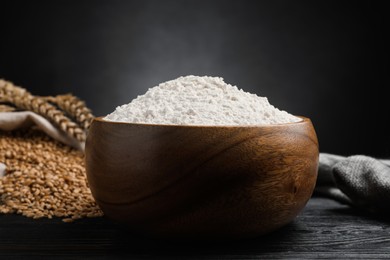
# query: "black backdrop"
[[327, 60]]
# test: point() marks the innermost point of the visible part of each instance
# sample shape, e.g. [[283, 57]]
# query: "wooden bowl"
[[172, 181]]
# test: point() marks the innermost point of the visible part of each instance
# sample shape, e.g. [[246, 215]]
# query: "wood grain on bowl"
[[195, 181]]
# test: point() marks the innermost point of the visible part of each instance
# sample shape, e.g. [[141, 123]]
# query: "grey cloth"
[[357, 180]]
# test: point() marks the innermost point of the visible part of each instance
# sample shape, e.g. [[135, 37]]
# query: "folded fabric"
[[358, 180]]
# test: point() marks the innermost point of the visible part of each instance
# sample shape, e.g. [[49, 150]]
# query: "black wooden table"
[[325, 229]]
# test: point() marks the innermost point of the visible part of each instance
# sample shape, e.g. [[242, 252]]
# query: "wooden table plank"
[[325, 229]]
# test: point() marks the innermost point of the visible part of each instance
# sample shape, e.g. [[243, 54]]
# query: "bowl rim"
[[304, 120]]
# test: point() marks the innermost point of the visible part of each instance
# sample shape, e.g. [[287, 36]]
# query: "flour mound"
[[204, 101]]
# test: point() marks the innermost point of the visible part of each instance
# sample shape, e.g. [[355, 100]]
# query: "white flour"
[[193, 100]]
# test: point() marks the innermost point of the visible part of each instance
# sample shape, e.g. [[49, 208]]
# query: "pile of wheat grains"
[[44, 178]]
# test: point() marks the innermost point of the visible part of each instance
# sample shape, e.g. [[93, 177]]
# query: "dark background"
[[327, 60]]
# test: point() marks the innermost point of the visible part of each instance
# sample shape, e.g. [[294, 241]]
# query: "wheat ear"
[[22, 99]]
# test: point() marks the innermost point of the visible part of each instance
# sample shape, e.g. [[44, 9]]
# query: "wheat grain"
[[49, 182]]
